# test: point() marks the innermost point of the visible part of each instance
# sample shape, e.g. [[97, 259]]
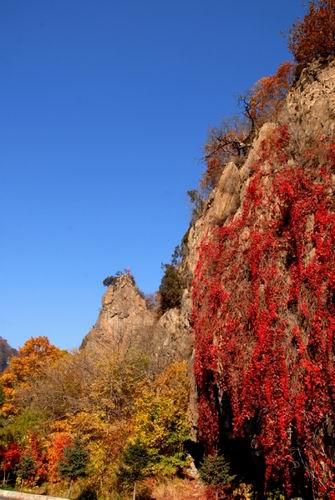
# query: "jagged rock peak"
[[123, 315], [127, 323], [123, 297]]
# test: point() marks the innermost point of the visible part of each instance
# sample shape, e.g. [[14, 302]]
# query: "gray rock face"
[[310, 106], [172, 334]]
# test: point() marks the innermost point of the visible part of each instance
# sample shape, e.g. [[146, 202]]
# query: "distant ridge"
[[6, 352]]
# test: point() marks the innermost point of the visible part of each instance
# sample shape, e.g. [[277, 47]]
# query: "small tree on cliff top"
[[224, 143], [112, 280], [232, 141], [268, 95], [314, 36]]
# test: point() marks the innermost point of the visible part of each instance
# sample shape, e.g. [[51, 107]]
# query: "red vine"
[[264, 314]]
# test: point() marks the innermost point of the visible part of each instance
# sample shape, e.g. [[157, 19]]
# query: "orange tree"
[[314, 36], [9, 459], [32, 467], [23, 369], [268, 95]]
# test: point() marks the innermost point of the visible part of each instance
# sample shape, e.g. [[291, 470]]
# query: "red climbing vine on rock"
[[263, 313]]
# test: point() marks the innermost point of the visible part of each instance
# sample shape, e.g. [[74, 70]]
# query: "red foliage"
[[218, 492], [56, 453], [314, 36], [36, 452], [10, 457], [264, 316]]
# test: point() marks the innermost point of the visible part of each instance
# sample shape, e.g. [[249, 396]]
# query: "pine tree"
[[75, 461]]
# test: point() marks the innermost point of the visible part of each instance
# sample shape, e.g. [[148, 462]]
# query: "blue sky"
[[105, 107]]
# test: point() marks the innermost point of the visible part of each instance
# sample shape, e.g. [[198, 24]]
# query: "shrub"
[[196, 198], [171, 288], [88, 493], [215, 471], [27, 468], [243, 492], [112, 280], [275, 495], [178, 252], [314, 36]]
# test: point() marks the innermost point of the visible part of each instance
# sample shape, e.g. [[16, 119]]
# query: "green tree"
[[27, 468], [171, 288], [135, 460], [74, 464], [215, 471]]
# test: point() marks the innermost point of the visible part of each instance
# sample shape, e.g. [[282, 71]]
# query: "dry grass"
[[178, 489]]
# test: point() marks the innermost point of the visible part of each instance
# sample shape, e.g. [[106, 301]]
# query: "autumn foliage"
[[58, 442], [224, 144], [264, 305], [232, 141], [314, 36], [268, 95], [263, 320], [23, 369], [10, 457], [70, 419]]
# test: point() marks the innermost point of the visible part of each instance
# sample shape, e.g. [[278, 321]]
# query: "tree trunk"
[[70, 487]]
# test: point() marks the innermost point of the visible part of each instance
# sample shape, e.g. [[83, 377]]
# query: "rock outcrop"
[[124, 320], [126, 323], [310, 106]]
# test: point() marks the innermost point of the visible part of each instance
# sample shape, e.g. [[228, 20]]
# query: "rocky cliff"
[[124, 318], [257, 314], [310, 112], [127, 322], [263, 258]]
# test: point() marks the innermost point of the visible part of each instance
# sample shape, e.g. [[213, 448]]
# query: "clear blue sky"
[[105, 106]]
